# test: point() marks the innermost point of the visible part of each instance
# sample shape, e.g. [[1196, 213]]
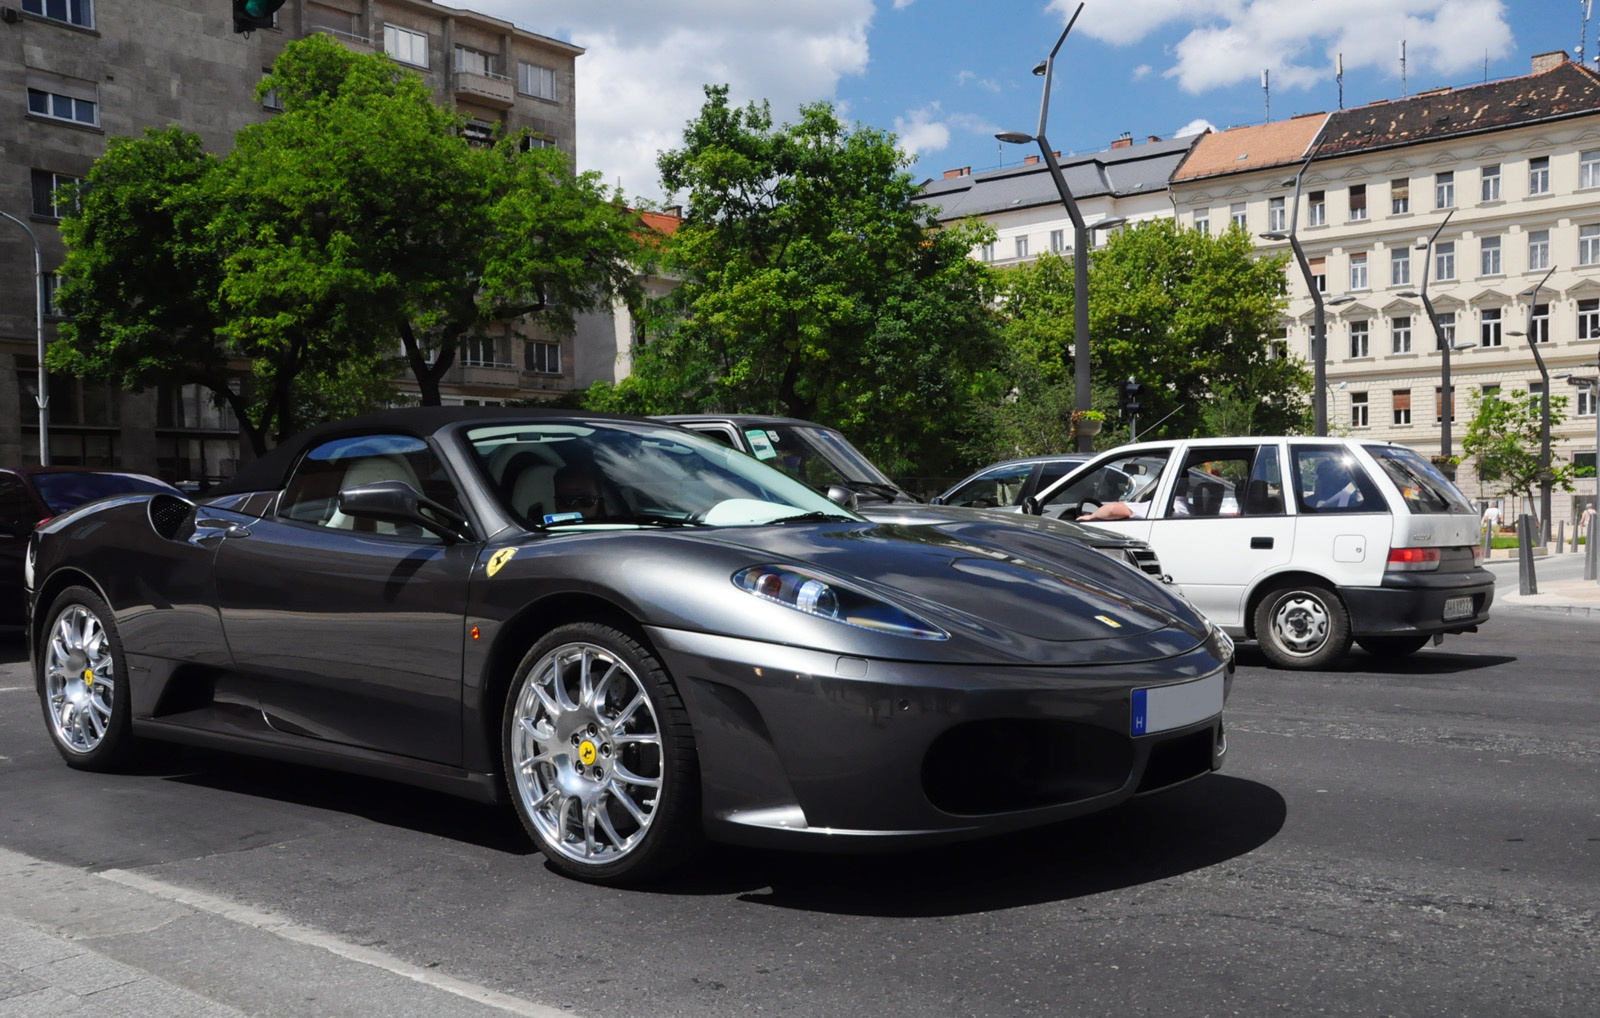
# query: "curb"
[[1577, 610]]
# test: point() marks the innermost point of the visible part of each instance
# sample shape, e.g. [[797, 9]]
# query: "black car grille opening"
[[172, 517], [1177, 760], [1011, 764]]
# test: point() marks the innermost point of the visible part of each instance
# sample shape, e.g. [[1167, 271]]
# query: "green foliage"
[[1505, 437], [813, 286]]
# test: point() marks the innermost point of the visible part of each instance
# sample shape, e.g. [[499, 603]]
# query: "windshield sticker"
[[563, 518], [500, 558], [760, 445]]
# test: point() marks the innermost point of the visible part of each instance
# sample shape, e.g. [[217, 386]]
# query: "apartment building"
[[74, 73], [1127, 181], [1516, 166]]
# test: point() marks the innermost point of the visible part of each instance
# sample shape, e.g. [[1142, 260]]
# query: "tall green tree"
[[1505, 437], [814, 286]]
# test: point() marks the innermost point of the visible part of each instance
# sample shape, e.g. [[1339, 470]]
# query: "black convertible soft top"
[[271, 472]]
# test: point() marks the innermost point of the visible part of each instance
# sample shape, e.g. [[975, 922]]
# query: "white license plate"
[[1163, 708], [1458, 608]]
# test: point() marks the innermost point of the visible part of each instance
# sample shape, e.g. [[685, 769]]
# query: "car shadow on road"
[[1358, 661], [1201, 824], [13, 646]]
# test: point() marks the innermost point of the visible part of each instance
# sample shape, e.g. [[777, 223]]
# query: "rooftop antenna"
[[1587, 7], [1402, 68], [1486, 66], [1266, 93], [1339, 77]]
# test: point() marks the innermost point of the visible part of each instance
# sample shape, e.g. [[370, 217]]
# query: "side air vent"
[[172, 517]]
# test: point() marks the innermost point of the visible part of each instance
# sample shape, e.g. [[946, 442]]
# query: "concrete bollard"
[[1488, 541], [1591, 558], [1561, 536], [1527, 579]]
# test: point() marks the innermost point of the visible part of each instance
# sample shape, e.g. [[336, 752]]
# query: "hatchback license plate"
[[1458, 608]]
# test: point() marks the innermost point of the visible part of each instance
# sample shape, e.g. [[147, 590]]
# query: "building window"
[[1589, 319], [1489, 327], [1022, 247], [1447, 330], [988, 252], [49, 283], [1277, 215], [1489, 391], [1539, 175], [531, 142], [1358, 271], [1278, 345], [1438, 403], [1586, 401], [1358, 410], [478, 132], [1360, 333], [474, 61], [1058, 241], [406, 46], [1541, 323], [1400, 334], [1489, 251], [1202, 222], [1358, 201], [48, 198], [1444, 260], [1538, 249], [1236, 214], [1319, 273], [1402, 406], [1444, 190], [1589, 245], [542, 358], [1399, 197], [1317, 209], [62, 107], [73, 12], [537, 81], [1399, 266], [1490, 183], [481, 352], [1589, 168]]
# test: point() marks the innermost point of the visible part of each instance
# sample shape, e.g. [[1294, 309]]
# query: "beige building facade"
[[74, 73]]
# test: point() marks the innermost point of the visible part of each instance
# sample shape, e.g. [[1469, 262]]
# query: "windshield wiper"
[[640, 519], [811, 517]]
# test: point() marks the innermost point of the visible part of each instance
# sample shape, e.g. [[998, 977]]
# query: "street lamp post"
[[1545, 477], [1080, 236], [42, 397], [1319, 324], [1446, 397]]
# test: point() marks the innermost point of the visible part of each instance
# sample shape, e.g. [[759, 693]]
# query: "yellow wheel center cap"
[[88, 676], [586, 752]]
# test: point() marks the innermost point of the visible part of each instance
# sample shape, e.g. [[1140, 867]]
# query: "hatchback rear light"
[[1477, 554], [42, 522], [1413, 560]]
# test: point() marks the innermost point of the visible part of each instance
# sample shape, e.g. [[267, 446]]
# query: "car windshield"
[[1424, 488], [817, 456], [63, 491], [606, 474]]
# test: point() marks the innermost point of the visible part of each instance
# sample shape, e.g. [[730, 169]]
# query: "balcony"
[[495, 90], [351, 41], [501, 376]]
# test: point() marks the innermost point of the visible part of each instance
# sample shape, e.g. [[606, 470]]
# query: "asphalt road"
[[1421, 839]]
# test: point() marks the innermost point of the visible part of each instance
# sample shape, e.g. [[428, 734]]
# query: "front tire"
[[1392, 647], [83, 686], [1302, 627], [599, 756]]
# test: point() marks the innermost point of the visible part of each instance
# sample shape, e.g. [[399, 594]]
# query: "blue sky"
[[946, 74]]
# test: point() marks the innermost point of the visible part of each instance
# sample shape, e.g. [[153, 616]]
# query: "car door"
[[1343, 523], [18, 515], [1133, 477], [1224, 524], [352, 629]]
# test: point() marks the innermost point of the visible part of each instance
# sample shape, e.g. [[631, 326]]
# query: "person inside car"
[[577, 490]]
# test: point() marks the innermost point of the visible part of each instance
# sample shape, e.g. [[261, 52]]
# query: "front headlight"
[[829, 599], [1220, 642]]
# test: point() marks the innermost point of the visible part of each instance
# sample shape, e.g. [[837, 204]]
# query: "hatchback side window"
[[1329, 480], [312, 495], [997, 487], [1130, 478]]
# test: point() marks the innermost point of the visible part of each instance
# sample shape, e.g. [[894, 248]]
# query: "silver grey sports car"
[[636, 636]]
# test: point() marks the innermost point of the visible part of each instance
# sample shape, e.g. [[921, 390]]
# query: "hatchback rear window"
[[1424, 488]]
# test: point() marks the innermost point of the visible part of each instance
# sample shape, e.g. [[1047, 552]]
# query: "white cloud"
[[1232, 41], [1141, 72], [922, 134], [989, 83], [901, 5], [1197, 126], [642, 76]]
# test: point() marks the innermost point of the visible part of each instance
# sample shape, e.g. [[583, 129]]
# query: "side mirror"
[[399, 502], [936, 500], [1031, 506], [842, 495]]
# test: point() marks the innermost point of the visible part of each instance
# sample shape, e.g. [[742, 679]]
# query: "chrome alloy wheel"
[[586, 754], [79, 679], [1301, 623]]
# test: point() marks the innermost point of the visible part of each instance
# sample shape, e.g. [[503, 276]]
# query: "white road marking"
[[16, 689], [288, 929]]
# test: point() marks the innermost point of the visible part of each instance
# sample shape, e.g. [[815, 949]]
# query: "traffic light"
[[249, 15], [1130, 399]]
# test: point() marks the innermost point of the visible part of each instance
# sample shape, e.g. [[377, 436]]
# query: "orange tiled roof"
[[661, 222], [1252, 148]]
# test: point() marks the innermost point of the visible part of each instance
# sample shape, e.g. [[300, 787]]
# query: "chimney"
[[675, 211], [1155, 137], [1548, 61], [953, 174], [1030, 160], [1126, 141]]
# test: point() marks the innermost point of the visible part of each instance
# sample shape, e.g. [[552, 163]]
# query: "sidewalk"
[[1562, 590]]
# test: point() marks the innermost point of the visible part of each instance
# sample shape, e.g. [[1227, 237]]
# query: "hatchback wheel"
[[1302, 627]]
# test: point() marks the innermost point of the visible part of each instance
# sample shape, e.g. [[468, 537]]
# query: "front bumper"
[[1412, 604], [829, 751]]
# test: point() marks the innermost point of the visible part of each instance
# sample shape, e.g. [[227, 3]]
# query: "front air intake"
[[172, 517]]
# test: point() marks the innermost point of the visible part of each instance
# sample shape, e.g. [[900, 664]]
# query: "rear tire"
[[1392, 647], [1303, 627], [599, 756], [83, 683]]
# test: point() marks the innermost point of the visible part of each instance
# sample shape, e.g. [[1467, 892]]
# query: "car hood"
[[916, 514]]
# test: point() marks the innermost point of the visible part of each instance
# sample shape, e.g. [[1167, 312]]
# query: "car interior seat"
[[1259, 500], [1206, 498]]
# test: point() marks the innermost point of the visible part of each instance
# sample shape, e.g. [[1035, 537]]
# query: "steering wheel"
[[1086, 507]]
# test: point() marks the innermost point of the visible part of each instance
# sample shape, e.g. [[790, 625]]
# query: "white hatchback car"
[[1302, 544]]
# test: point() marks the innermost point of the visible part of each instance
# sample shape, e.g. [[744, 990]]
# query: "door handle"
[[1261, 542]]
